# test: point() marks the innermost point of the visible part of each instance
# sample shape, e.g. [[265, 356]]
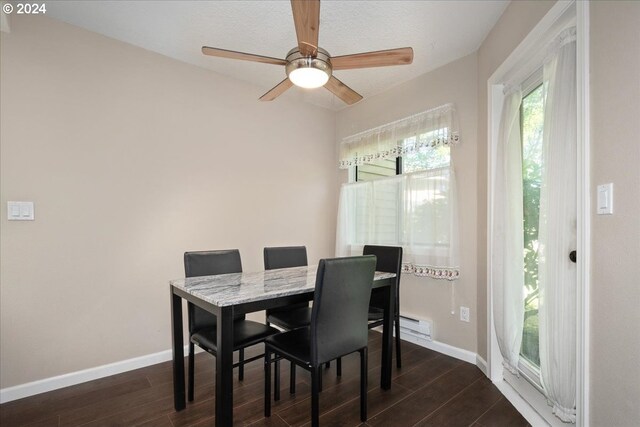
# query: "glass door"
[[532, 121]]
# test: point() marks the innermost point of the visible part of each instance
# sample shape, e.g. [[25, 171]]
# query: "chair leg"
[[339, 366], [276, 382], [363, 384], [315, 396], [398, 353], [241, 365], [192, 360], [267, 383], [292, 379]]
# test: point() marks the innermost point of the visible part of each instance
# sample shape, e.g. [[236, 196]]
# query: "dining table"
[[228, 295]]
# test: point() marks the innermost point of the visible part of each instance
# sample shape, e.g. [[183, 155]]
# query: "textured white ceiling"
[[438, 31]]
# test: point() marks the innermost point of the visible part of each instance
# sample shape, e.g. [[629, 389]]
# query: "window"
[[532, 120], [377, 169], [403, 193], [426, 158], [416, 211], [420, 159], [388, 203]]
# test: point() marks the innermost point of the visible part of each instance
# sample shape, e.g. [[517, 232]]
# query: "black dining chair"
[[202, 324], [338, 327], [292, 316], [389, 260]]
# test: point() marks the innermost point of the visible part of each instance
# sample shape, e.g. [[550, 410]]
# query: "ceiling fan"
[[310, 66]]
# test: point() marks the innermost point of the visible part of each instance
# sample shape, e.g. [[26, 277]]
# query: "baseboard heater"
[[417, 331]]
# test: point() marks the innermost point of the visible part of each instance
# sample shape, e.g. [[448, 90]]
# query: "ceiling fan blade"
[[232, 54], [278, 90], [343, 91], [306, 17], [380, 58]]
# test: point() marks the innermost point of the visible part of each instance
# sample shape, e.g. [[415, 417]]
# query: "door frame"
[[525, 59]]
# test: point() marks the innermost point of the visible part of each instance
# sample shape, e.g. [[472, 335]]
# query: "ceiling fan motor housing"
[[296, 61]]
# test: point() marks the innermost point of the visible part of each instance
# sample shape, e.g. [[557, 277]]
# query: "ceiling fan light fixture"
[[306, 71], [308, 77]]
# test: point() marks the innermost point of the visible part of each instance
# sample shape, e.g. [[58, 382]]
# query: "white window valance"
[[431, 128]]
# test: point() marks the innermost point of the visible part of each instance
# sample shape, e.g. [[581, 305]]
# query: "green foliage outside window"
[[532, 119], [426, 158]]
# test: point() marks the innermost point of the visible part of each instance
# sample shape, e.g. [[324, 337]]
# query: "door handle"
[[573, 256]]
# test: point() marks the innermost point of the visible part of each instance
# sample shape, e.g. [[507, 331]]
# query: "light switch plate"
[[20, 211], [605, 199]]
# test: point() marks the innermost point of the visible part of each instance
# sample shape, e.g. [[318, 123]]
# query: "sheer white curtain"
[[508, 235], [557, 232], [430, 230], [417, 211]]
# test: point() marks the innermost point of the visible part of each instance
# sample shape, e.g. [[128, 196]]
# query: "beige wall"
[[615, 239], [131, 159], [513, 26], [455, 82]]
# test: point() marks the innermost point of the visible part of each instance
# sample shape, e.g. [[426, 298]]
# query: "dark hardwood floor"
[[430, 390]]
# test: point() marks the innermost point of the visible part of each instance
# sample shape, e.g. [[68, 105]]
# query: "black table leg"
[[179, 402], [224, 368], [387, 337]]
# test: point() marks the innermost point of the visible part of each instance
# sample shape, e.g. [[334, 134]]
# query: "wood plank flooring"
[[431, 389]]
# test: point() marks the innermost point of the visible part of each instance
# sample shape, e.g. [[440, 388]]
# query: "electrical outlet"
[[464, 314]]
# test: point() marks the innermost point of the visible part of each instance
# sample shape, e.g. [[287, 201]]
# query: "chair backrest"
[[209, 263], [340, 307], [284, 257], [389, 259]]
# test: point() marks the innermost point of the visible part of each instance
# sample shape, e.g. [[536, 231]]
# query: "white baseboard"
[[482, 365], [521, 405], [41, 386], [440, 347], [449, 350]]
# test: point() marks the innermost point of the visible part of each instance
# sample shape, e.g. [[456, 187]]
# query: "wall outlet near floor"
[[464, 314]]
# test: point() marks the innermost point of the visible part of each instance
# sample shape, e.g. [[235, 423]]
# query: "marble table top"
[[239, 288]]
